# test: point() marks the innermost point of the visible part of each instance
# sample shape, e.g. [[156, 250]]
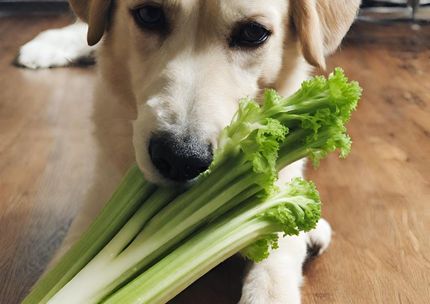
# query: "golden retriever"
[[178, 69]]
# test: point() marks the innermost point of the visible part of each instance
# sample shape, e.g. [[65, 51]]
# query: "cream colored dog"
[[185, 64]]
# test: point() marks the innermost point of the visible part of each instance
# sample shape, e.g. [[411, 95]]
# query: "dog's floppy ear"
[[321, 25], [95, 13]]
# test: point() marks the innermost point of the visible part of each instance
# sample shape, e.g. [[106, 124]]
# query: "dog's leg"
[[56, 48], [277, 280]]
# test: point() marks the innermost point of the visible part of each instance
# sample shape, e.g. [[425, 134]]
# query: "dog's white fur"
[[56, 48], [192, 81]]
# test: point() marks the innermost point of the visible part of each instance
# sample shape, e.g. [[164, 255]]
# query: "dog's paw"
[[261, 296], [269, 300], [55, 48], [319, 238]]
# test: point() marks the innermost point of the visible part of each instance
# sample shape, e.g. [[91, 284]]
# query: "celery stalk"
[[222, 239], [109, 270], [132, 190]]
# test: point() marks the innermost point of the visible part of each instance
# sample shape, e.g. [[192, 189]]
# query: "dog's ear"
[[95, 13], [321, 25]]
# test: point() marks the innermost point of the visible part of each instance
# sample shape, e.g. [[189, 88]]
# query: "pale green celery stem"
[[132, 190], [294, 105], [155, 243], [292, 150], [220, 179], [160, 198], [254, 191], [300, 96], [309, 106], [199, 254], [102, 261], [197, 211], [190, 210], [185, 265]]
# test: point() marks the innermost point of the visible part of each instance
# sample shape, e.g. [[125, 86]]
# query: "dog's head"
[[188, 62]]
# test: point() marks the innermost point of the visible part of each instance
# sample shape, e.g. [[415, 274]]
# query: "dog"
[[178, 68]]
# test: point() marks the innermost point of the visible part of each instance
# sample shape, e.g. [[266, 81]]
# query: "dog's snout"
[[179, 158]]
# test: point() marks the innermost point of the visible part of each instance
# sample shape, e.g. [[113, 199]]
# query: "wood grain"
[[377, 200]]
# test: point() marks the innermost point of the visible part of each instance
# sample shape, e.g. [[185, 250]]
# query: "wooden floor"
[[378, 200]]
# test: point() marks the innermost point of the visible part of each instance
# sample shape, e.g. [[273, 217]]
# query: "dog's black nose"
[[179, 158]]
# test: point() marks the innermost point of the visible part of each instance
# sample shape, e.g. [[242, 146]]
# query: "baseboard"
[[35, 7]]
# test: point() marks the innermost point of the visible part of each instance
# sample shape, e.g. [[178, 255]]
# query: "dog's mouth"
[[179, 158]]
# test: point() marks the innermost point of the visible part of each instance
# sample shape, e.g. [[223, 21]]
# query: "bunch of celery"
[[251, 228], [136, 238]]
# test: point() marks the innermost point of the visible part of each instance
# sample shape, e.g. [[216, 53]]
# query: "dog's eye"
[[150, 17], [250, 34]]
